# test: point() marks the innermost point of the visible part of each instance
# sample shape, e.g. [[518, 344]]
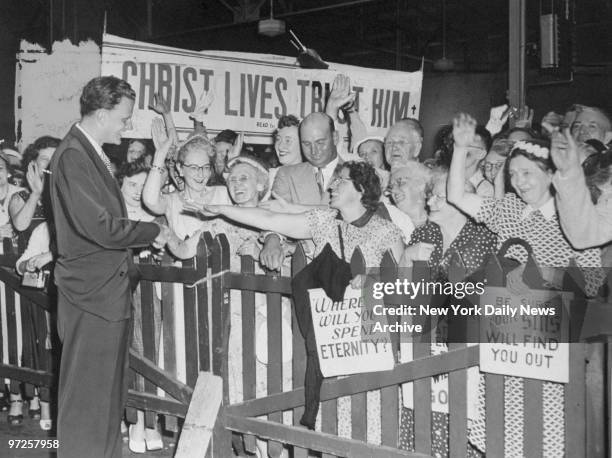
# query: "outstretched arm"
[[464, 129], [291, 225]]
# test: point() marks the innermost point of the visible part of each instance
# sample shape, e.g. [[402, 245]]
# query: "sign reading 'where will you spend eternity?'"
[[346, 340]]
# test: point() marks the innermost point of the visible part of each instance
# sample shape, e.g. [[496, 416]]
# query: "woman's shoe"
[[136, 445], [46, 425], [34, 408], [16, 417], [153, 439]]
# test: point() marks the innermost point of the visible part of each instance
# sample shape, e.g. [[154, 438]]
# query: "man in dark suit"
[[305, 183], [92, 273]]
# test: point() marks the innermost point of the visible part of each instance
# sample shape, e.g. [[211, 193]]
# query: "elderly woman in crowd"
[[194, 166], [407, 190], [446, 234], [529, 214]]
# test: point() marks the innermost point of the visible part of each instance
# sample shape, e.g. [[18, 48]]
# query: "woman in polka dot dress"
[[446, 234], [529, 214]]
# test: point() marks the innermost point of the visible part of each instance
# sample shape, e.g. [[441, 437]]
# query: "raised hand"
[[35, 179], [464, 130], [564, 151], [204, 103], [160, 105], [340, 95], [551, 119], [237, 147], [497, 118], [160, 139], [524, 117]]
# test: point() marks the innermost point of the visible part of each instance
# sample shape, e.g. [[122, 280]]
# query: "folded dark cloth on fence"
[[333, 274]]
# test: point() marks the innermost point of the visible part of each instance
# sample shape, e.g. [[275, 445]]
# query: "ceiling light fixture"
[[271, 27], [444, 64]]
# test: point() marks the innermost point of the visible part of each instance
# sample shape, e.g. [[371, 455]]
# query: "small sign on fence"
[[346, 340], [526, 336]]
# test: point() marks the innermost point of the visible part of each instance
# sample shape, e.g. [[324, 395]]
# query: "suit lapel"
[[108, 179]]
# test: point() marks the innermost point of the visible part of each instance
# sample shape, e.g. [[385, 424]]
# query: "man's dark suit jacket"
[[93, 232]]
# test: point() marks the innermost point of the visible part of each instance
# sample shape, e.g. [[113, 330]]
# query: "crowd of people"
[[549, 184]]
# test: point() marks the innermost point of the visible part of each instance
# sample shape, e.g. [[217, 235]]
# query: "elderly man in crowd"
[[403, 142], [592, 130]]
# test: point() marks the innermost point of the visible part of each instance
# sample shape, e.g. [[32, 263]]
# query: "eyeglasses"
[[492, 165], [194, 168]]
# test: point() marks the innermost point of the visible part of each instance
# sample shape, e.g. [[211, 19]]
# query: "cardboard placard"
[[525, 336], [346, 342]]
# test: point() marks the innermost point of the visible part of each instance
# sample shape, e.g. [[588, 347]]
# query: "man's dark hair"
[[129, 169], [104, 92], [365, 180], [33, 149]]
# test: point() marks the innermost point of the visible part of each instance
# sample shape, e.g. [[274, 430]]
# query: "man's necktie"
[[107, 162], [320, 182]]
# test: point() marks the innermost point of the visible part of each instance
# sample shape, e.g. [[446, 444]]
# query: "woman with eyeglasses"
[[194, 166]]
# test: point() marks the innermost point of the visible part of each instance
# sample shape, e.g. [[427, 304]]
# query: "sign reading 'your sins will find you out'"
[[530, 342]]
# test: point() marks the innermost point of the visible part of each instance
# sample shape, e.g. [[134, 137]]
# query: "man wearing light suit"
[[92, 273], [305, 183]]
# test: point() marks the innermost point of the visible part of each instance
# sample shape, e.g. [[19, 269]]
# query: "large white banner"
[[251, 90]]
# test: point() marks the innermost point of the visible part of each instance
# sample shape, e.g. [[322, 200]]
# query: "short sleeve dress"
[[511, 217], [374, 236]]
